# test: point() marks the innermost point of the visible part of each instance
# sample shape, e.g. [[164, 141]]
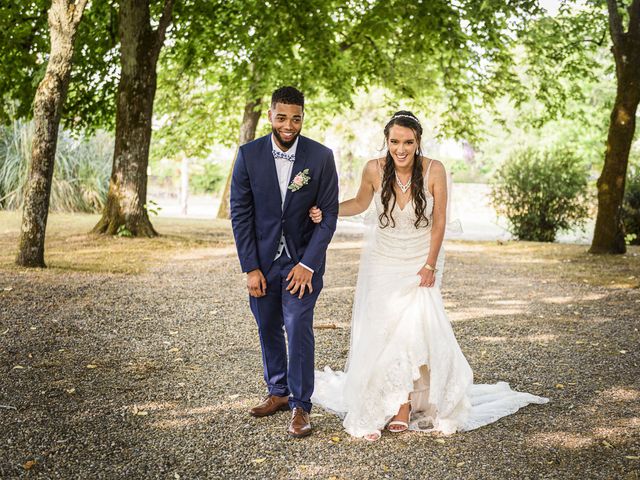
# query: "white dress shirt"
[[283, 169]]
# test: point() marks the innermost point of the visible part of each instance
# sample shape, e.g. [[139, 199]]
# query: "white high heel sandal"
[[404, 425]]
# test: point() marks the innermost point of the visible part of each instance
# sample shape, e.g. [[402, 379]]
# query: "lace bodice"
[[403, 241]]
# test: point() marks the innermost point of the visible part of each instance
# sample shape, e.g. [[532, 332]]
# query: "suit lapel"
[[298, 166], [268, 169]]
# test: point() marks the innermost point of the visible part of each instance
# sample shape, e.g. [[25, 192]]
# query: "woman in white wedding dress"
[[405, 369]]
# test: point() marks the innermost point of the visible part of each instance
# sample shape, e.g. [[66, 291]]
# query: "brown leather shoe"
[[300, 424], [270, 405]]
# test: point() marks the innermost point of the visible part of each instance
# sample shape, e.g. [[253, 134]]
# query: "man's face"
[[286, 123]]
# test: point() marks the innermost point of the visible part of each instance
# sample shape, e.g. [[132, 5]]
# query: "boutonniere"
[[300, 180]]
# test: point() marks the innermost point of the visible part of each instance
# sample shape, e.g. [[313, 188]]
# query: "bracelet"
[[429, 267]]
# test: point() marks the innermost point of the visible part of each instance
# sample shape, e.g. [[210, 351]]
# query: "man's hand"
[[300, 279], [256, 283]]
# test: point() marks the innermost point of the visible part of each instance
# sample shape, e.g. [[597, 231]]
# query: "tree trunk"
[[608, 236], [64, 17], [125, 208], [252, 112]]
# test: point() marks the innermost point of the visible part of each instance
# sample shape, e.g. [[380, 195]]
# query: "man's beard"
[[288, 144]]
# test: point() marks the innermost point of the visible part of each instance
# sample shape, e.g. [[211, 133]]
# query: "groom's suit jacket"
[[258, 216]]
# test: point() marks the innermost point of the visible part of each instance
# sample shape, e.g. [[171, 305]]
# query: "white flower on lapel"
[[300, 180]]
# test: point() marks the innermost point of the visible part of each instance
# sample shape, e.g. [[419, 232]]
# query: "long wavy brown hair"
[[403, 118]]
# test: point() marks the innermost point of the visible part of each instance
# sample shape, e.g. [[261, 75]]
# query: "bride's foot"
[[372, 437], [400, 422]]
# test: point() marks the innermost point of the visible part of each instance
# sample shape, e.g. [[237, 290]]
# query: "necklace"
[[404, 187]]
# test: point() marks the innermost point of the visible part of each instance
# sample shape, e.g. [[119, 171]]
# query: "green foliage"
[[24, 46], [81, 173], [152, 208], [210, 178], [541, 192], [562, 53], [631, 206], [123, 231]]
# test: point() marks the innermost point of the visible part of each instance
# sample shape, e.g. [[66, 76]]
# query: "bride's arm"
[[438, 178], [361, 201], [438, 181]]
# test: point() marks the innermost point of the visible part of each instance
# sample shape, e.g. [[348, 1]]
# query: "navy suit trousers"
[[279, 311]]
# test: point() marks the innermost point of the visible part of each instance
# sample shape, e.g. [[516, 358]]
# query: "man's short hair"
[[287, 95]]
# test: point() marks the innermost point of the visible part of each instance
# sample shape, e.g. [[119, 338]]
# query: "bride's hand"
[[315, 214], [427, 277]]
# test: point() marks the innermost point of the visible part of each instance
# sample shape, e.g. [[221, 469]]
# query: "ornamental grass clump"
[[541, 192], [81, 171]]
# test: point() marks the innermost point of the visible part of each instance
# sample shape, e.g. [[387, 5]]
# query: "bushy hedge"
[[541, 192], [631, 206]]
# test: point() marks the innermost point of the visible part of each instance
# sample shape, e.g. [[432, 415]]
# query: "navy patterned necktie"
[[284, 155]]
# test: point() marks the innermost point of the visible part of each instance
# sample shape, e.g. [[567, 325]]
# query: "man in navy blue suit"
[[276, 180]]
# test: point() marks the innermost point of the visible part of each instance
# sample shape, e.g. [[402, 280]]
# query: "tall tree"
[[249, 47], [451, 53], [563, 52], [64, 18], [609, 235], [140, 46]]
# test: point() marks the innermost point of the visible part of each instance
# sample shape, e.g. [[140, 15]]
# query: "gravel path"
[[150, 375]]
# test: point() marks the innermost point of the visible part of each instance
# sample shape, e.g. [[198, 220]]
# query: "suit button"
[[284, 221]]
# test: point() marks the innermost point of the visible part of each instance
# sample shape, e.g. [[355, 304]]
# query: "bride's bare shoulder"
[[437, 166], [372, 167]]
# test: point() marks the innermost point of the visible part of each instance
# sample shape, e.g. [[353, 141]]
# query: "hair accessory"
[[407, 116]]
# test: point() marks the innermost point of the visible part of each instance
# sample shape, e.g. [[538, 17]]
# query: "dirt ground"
[[139, 359]]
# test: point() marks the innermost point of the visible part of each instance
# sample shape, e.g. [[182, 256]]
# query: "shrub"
[[209, 180], [631, 206], [541, 192]]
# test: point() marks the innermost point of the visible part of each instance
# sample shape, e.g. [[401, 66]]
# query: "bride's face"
[[402, 145]]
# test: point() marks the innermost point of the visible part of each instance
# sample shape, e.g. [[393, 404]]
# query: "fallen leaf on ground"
[[607, 444], [315, 415], [18, 367], [70, 391], [559, 386], [7, 289], [6, 331], [137, 411], [335, 439], [459, 464], [326, 326], [440, 440], [92, 365], [259, 460], [29, 465], [174, 349], [632, 457]]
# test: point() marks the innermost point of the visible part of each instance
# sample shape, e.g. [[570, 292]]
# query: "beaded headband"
[[407, 116]]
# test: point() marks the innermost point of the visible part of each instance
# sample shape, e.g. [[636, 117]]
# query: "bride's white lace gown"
[[402, 344]]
